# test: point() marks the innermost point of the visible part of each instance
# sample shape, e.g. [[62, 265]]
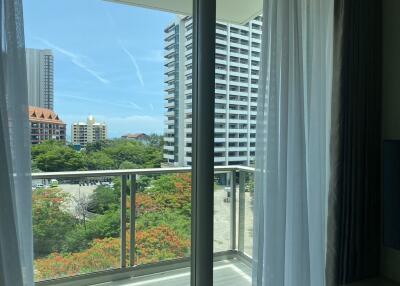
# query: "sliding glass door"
[[142, 138], [110, 91]]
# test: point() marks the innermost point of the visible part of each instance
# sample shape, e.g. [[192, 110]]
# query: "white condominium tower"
[[88, 132], [236, 87], [39, 66]]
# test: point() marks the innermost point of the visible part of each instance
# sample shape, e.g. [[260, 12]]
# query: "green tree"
[[99, 161], [60, 158], [143, 156], [103, 199], [128, 165], [52, 156], [156, 140], [170, 217], [46, 146], [101, 226], [96, 146], [143, 182], [173, 192]]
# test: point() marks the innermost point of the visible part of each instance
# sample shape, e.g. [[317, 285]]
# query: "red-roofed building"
[[45, 125]]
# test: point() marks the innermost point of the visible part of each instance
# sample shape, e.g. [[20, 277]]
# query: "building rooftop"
[[43, 115], [134, 136]]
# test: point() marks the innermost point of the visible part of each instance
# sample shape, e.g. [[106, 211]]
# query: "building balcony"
[[188, 62], [169, 104], [169, 139], [169, 34], [221, 31], [168, 156], [169, 148], [218, 159], [169, 69], [169, 121], [169, 131], [169, 87], [221, 61], [220, 140], [168, 52], [220, 81], [169, 95], [239, 74], [169, 78], [169, 60], [129, 262]]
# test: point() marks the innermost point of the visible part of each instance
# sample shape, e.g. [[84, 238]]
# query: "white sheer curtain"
[[16, 255], [292, 152]]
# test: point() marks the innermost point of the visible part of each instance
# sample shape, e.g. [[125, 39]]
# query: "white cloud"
[[134, 105], [133, 60], [156, 56], [120, 104], [133, 124], [76, 60]]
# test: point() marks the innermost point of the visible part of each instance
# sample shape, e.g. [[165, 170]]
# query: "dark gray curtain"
[[354, 199]]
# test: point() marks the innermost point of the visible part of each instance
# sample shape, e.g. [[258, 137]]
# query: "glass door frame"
[[203, 103]]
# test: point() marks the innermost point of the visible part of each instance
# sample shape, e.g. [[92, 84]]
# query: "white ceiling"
[[232, 11]]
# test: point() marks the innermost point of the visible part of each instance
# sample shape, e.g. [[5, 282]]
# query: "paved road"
[[76, 191], [78, 194]]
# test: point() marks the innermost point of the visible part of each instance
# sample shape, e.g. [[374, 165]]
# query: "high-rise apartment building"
[[237, 66], [40, 66], [88, 132], [45, 125]]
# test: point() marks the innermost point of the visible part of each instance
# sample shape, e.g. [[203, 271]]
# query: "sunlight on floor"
[[232, 273]]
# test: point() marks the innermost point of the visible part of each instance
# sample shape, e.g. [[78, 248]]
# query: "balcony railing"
[[234, 201]]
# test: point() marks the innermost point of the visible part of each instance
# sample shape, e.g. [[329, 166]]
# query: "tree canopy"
[[52, 156]]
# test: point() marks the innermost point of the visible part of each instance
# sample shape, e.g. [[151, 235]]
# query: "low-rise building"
[[45, 125], [88, 132], [141, 137]]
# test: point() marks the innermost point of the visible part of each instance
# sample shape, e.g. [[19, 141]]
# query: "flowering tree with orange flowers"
[[162, 229], [51, 220], [153, 245]]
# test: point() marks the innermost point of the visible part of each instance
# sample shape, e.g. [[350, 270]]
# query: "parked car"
[[53, 183]]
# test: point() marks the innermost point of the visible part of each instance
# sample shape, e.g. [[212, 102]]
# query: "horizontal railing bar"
[[130, 272], [148, 171]]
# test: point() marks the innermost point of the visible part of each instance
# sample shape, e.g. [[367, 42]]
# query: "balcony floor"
[[227, 272]]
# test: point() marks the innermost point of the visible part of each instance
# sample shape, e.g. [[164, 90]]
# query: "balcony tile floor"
[[226, 273]]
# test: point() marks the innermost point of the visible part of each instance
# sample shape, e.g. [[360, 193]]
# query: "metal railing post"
[[132, 221], [233, 210], [123, 221], [242, 211]]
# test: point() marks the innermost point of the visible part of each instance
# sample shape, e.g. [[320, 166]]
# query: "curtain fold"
[[292, 148], [16, 254], [354, 199]]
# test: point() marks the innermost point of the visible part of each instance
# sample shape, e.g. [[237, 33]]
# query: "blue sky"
[[108, 61]]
